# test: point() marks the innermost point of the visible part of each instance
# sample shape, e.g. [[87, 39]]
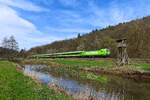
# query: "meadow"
[[85, 63], [141, 65]]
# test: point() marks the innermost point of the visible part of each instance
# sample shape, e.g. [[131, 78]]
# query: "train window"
[[107, 50]]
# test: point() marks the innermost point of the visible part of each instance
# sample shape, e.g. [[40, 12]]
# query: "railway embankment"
[[135, 70]]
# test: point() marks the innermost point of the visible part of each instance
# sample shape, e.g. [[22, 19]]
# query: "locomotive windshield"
[[107, 50]]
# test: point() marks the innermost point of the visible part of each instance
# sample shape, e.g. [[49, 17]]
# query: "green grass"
[[85, 63], [142, 66], [15, 86], [102, 63], [145, 66]]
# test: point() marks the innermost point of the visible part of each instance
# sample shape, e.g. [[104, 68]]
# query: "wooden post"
[[122, 53]]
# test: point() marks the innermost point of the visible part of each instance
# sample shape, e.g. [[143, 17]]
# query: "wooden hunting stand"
[[122, 52]]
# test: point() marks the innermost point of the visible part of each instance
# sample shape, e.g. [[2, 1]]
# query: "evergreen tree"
[[79, 36]]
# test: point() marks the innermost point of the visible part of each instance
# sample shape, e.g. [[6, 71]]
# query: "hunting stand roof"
[[121, 43]]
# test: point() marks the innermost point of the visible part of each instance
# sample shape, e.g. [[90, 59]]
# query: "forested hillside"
[[137, 32]]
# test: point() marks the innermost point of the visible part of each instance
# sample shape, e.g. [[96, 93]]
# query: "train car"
[[68, 54], [94, 53]]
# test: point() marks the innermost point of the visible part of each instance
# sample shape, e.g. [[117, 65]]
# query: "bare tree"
[[10, 43], [13, 44], [10, 47]]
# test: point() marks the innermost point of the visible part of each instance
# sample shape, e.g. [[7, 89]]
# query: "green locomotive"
[[94, 53]]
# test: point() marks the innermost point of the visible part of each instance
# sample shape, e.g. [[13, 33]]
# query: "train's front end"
[[107, 52], [104, 52]]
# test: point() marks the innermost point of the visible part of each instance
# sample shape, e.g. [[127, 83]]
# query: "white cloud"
[[25, 5], [9, 17], [10, 22], [25, 32]]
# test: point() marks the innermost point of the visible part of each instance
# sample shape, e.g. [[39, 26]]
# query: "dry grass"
[[33, 76], [2, 84]]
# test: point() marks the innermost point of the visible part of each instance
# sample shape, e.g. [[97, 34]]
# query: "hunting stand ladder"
[[122, 53]]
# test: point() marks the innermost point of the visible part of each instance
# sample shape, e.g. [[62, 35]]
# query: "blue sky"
[[38, 22]]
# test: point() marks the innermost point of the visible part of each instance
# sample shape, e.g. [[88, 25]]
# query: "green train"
[[94, 53]]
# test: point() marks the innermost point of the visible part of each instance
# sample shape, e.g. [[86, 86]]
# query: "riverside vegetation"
[[74, 73], [136, 69]]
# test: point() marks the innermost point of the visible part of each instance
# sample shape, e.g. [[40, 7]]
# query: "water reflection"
[[116, 88]]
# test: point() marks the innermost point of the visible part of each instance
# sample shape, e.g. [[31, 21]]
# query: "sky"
[[38, 22]]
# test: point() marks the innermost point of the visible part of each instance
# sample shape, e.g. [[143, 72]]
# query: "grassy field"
[[142, 66], [85, 63], [15, 86], [100, 63], [145, 66]]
